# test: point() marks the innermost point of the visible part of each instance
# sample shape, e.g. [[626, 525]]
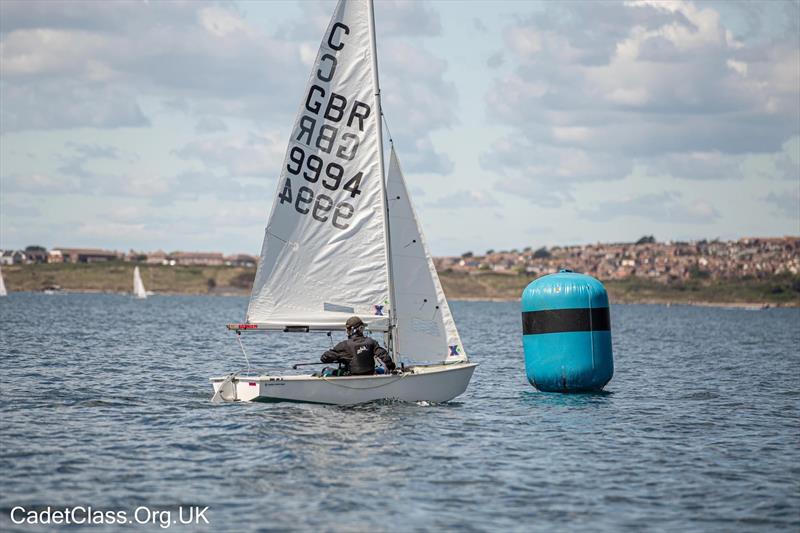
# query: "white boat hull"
[[436, 383]]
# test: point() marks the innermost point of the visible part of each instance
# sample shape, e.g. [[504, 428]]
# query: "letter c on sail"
[[331, 70], [339, 45]]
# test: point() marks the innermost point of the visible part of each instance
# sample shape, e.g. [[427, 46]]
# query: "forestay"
[[425, 327], [323, 258]]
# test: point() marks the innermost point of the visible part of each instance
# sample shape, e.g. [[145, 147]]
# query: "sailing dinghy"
[[342, 240], [3, 291], [138, 285]]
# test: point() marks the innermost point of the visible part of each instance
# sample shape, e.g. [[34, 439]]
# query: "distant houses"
[[156, 258], [664, 262], [39, 254], [35, 254], [660, 261], [241, 260], [197, 258], [12, 257], [82, 255]]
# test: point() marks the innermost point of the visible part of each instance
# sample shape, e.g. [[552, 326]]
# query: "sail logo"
[[378, 310], [454, 350]]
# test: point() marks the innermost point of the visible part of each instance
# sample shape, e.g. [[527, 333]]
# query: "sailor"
[[358, 352]]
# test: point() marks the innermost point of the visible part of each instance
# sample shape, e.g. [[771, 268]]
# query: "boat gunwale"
[[309, 377]]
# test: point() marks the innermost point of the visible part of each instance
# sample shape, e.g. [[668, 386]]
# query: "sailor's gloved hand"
[[390, 366]]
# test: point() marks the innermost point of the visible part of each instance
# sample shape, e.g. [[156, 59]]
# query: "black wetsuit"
[[357, 354]]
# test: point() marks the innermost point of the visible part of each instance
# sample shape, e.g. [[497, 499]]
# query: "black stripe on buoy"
[[565, 320]]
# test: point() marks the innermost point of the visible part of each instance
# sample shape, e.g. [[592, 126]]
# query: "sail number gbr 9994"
[[332, 177]]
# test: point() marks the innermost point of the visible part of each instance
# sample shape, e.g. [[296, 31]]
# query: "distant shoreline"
[[116, 277], [245, 293], [737, 305]]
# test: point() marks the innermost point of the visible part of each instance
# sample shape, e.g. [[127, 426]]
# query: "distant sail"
[[3, 291], [138, 285], [426, 330], [323, 258]]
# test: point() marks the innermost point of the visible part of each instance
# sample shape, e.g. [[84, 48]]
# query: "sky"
[[152, 125]]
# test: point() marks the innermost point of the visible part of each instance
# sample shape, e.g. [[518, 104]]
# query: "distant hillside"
[[783, 290], [117, 276]]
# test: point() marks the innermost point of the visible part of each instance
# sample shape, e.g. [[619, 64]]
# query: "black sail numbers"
[[320, 183]]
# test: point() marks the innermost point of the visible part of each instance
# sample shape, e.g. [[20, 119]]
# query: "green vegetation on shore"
[[117, 276], [783, 290]]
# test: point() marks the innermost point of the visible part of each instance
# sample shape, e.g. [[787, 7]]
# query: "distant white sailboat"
[[343, 240], [138, 285], [3, 291]]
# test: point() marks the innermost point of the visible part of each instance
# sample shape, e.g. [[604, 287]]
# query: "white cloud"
[[65, 104], [667, 206], [221, 22], [465, 199], [88, 65], [41, 184], [737, 66], [786, 203], [254, 154], [407, 18], [523, 41], [547, 175], [595, 89], [210, 125], [144, 186]]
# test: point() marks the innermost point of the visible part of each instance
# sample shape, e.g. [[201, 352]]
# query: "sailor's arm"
[[336, 354], [383, 355]]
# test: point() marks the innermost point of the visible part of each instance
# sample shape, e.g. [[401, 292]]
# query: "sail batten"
[[325, 241]]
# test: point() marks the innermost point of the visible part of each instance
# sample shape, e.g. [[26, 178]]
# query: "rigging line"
[[239, 339], [385, 123]]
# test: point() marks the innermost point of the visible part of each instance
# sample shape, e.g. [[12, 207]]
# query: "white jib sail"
[[2, 285], [323, 258], [426, 330], [138, 285]]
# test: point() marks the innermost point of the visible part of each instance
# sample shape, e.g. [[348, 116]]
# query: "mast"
[[386, 232]]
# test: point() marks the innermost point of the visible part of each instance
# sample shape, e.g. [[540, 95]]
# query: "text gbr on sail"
[[335, 107]]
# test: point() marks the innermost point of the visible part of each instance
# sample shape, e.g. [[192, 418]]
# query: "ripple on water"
[[109, 406]]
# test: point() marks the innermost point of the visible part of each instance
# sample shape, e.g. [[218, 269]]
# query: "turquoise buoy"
[[566, 333]]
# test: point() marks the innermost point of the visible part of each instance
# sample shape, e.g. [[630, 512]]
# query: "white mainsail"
[[426, 330], [324, 258], [138, 285], [3, 291]]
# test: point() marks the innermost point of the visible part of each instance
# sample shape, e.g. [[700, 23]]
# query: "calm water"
[[105, 403]]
